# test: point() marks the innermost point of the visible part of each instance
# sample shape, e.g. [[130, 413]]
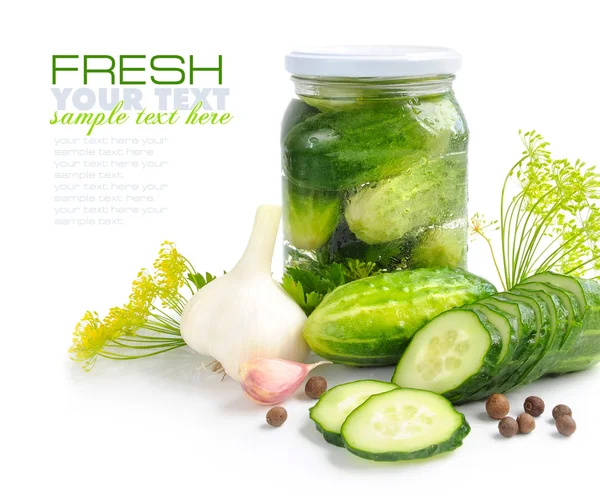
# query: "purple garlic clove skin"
[[269, 381]]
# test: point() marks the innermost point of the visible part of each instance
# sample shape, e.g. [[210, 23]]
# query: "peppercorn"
[[315, 387], [566, 425], [526, 423], [497, 406], [276, 416], [508, 427], [534, 406], [560, 410]]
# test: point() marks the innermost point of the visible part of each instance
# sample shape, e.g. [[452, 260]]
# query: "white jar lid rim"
[[373, 61]]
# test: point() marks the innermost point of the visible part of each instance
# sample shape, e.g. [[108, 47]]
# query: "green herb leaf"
[[357, 269], [308, 282], [307, 301], [200, 280]]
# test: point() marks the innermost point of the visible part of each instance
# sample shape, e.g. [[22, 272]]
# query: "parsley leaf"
[[200, 280], [309, 282]]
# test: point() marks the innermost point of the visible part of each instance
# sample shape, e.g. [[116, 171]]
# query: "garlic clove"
[[268, 381]]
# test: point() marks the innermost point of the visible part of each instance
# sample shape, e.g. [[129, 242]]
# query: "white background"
[[161, 426]]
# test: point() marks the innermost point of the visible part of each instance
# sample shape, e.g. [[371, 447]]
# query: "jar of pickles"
[[374, 158]]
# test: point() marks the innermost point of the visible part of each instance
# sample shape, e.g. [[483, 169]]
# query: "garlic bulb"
[[245, 314]]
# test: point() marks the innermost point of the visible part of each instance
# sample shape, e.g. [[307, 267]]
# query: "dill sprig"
[[148, 324], [552, 221]]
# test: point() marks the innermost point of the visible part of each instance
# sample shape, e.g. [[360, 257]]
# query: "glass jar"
[[374, 159]]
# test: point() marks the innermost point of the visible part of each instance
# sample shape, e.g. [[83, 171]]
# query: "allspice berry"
[[497, 406], [508, 427], [534, 406], [276, 416], [315, 387], [566, 425], [560, 410], [526, 423]]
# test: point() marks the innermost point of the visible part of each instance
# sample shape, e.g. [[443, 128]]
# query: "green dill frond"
[[549, 215]]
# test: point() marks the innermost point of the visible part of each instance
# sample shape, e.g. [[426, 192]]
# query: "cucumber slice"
[[523, 314], [551, 342], [582, 346], [584, 350], [335, 405], [506, 328], [509, 330], [536, 329], [453, 354], [586, 291], [404, 424], [568, 300]]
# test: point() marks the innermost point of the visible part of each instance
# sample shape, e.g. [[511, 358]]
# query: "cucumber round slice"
[[539, 335], [335, 405], [507, 325], [552, 340], [450, 354], [404, 424], [569, 301], [508, 331], [586, 291], [524, 316]]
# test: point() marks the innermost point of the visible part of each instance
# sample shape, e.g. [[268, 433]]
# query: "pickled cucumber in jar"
[[374, 160]]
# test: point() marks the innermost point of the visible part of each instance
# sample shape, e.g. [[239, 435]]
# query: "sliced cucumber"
[[335, 405], [581, 348], [453, 354], [551, 342], [533, 328], [543, 329], [585, 349], [548, 324], [509, 330], [504, 324], [404, 424], [540, 313], [524, 315], [568, 300], [586, 291]]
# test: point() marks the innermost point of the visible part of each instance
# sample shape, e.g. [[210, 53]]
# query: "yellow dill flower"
[[89, 339], [171, 271], [479, 225], [144, 291], [117, 337], [92, 335], [124, 321]]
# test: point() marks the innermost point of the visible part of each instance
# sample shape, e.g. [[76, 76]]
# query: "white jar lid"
[[373, 61]]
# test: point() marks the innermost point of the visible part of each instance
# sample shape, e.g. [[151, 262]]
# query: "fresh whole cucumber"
[[370, 321]]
